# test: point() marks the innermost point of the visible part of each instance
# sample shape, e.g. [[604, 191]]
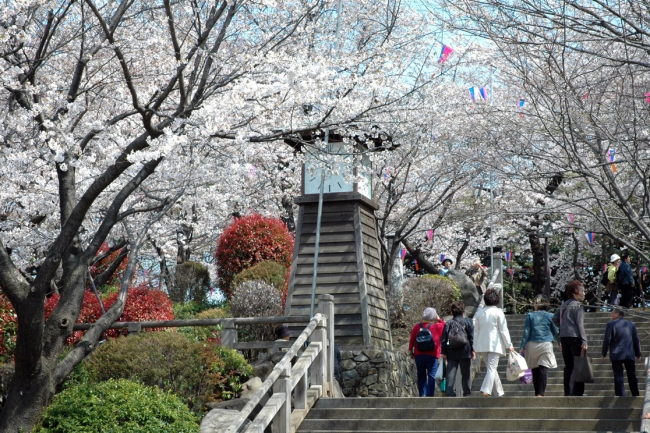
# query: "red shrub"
[[142, 304], [248, 241], [8, 329], [102, 265]]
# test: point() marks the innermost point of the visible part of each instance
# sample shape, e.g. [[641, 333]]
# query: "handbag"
[[516, 366], [443, 376], [583, 371]]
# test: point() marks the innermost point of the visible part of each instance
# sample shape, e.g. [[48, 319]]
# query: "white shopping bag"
[[516, 366]]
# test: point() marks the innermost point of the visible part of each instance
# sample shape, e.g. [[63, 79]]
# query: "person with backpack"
[[491, 341], [625, 281], [424, 346], [457, 347], [537, 343]]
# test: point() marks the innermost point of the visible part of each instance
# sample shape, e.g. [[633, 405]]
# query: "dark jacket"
[[621, 340], [462, 352], [624, 274], [570, 319]]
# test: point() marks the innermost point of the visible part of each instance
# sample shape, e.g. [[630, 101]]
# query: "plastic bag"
[[527, 378], [516, 366]]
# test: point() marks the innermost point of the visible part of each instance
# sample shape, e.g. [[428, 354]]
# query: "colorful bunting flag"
[[445, 53], [647, 97], [590, 237], [509, 271], [478, 93], [429, 235], [611, 157], [570, 217], [522, 102], [415, 262], [643, 270], [508, 256], [402, 253], [442, 258], [386, 174], [585, 96], [252, 171]]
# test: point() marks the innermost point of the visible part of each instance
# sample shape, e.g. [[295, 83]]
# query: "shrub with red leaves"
[[8, 328], [248, 241], [142, 304], [102, 265]]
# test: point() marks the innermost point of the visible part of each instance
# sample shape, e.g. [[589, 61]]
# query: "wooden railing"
[[310, 377]]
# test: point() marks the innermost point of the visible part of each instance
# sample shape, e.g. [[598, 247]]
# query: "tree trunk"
[[417, 255], [26, 399], [539, 266], [461, 251]]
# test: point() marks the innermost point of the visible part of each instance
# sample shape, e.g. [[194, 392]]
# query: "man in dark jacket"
[[622, 341], [460, 356], [625, 281]]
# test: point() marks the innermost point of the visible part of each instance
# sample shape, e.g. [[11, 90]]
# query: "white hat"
[[613, 258]]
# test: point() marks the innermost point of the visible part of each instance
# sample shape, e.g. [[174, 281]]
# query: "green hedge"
[[117, 406]]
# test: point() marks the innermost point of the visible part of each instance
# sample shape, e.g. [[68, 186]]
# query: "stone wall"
[[378, 373]]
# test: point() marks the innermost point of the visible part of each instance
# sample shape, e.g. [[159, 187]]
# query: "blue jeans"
[[427, 366]]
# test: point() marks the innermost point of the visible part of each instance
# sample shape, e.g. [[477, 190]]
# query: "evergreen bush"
[[268, 271], [117, 406], [197, 372], [191, 282], [428, 291]]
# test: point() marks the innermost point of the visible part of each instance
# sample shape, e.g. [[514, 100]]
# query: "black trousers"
[[627, 295], [540, 378], [619, 380], [452, 373], [571, 347]]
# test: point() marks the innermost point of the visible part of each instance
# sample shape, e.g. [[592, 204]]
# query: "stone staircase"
[[518, 411]]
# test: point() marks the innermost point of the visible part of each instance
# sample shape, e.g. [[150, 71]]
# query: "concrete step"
[[506, 401], [476, 413], [483, 425]]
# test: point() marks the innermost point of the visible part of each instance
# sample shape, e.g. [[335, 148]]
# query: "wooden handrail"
[[200, 322], [285, 363]]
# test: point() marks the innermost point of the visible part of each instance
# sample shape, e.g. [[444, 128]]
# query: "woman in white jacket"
[[491, 340]]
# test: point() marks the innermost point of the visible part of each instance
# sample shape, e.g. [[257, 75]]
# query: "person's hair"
[[457, 308], [541, 302], [491, 297], [624, 256], [572, 287], [619, 311]]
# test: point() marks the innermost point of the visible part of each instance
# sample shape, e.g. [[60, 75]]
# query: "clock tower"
[[349, 253]]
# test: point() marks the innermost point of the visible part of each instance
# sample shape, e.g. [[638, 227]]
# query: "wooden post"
[[318, 370], [326, 308], [300, 393], [228, 333], [282, 420]]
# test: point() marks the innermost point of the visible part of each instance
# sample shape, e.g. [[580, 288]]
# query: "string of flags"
[[442, 257], [611, 157], [647, 97], [590, 237], [522, 102], [386, 174], [445, 52], [429, 235], [508, 256], [643, 270], [478, 93], [252, 171], [402, 253], [571, 217]]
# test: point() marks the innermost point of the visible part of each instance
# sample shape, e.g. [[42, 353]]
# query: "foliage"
[[268, 271], [98, 268], [207, 333], [429, 291], [117, 406], [142, 303], [189, 309], [191, 282], [256, 299], [195, 371], [250, 240], [8, 329]]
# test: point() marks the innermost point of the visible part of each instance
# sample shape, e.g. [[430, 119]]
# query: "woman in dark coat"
[[458, 357]]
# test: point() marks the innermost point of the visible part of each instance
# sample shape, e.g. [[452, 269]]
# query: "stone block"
[[362, 391], [348, 364], [370, 379], [363, 368], [345, 354], [361, 358]]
